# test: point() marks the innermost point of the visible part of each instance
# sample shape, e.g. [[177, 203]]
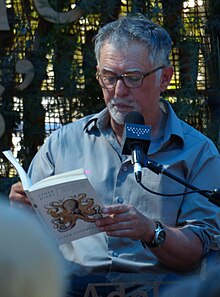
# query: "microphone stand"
[[213, 195]]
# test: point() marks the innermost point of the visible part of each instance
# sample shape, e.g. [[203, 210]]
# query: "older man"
[[145, 236]]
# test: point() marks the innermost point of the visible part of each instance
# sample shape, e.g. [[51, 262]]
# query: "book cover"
[[66, 203]]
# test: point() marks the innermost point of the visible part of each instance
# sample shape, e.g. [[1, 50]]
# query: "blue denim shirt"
[[90, 143]]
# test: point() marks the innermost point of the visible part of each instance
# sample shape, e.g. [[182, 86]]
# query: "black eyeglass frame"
[[121, 76]]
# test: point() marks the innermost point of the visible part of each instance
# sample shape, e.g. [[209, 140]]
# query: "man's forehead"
[[123, 47], [131, 59]]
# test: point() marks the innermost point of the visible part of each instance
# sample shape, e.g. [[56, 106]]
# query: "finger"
[[115, 209], [17, 188], [114, 222], [121, 230], [17, 194], [21, 198], [104, 221], [122, 233]]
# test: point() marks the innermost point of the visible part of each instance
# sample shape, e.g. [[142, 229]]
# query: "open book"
[[66, 203]]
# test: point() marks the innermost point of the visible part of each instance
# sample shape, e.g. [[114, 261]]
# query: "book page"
[[59, 179], [26, 181]]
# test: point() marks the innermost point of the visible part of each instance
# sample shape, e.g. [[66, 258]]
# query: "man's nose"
[[120, 88]]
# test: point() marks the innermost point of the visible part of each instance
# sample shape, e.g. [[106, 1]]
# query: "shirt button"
[[125, 168], [120, 200]]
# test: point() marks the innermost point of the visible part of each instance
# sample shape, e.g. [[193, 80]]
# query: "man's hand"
[[126, 221], [182, 249], [17, 195]]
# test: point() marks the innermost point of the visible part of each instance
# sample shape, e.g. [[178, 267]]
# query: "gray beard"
[[117, 115]]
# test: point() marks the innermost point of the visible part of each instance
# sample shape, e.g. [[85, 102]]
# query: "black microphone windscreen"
[[135, 132], [134, 117]]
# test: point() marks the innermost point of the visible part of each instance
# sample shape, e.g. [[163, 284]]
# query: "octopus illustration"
[[65, 213]]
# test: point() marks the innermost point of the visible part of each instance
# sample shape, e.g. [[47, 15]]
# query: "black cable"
[[173, 195]]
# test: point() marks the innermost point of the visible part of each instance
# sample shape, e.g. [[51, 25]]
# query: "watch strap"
[[155, 242]]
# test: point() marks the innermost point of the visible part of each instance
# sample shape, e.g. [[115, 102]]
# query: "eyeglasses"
[[131, 81]]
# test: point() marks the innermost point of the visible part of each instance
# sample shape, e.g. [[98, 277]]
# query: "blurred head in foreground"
[[29, 263]]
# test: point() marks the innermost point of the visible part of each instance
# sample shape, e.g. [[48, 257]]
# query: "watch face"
[[161, 237]]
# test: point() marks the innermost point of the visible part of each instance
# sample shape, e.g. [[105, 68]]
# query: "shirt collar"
[[173, 129], [97, 121]]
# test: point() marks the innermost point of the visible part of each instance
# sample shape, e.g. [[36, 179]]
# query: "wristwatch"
[[158, 239]]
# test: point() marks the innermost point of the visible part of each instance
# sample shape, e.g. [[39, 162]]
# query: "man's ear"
[[166, 77]]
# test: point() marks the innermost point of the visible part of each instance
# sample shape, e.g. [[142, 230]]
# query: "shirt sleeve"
[[197, 212], [43, 164]]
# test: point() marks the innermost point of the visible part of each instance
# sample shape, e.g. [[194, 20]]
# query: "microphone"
[[136, 141]]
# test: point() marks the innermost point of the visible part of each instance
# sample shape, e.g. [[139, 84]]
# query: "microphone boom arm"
[[213, 196]]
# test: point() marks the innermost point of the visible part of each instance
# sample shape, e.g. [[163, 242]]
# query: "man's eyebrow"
[[131, 70], [107, 70]]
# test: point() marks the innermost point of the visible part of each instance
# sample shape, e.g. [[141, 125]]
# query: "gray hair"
[[127, 29]]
